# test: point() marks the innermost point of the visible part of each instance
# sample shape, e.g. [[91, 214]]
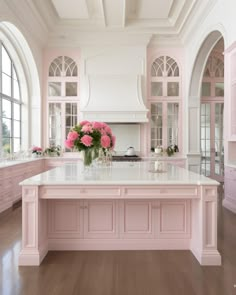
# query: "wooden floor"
[[116, 272]]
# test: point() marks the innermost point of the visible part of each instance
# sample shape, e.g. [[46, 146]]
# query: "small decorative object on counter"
[[176, 149], [36, 151], [53, 151], [170, 150], [91, 138], [158, 150]]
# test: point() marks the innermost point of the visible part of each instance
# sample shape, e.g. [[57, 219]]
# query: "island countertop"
[[129, 173]]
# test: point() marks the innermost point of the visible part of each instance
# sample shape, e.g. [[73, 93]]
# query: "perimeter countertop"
[[119, 173]]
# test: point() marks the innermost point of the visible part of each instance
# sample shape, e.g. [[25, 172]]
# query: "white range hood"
[[114, 98]]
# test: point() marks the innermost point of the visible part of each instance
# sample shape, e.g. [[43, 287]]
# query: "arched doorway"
[[194, 103], [212, 110]]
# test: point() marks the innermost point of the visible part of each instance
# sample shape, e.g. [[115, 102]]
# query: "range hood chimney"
[[114, 98]]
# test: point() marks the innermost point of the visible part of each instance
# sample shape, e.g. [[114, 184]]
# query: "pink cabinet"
[[136, 219], [10, 176], [65, 219], [124, 220], [174, 219], [100, 219], [230, 189]]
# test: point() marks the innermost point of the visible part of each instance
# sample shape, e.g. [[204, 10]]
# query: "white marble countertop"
[[158, 157], [119, 173], [9, 163]]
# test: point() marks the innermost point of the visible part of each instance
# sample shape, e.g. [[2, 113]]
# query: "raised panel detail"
[[100, 219], [174, 219], [30, 228], [64, 218], [210, 236], [136, 219]]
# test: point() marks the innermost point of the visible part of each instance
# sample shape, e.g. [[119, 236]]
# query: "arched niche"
[[21, 53], [194, 98]]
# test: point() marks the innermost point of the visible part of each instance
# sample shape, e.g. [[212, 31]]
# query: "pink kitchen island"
[[122, 207]]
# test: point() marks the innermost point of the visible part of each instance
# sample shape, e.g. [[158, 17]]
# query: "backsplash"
[[126, 135]]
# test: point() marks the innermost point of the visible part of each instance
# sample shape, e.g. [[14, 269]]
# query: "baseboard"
[[29, 257], [115, 244], [207, 257]]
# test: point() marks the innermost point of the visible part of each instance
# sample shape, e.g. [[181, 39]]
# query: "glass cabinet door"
[[212, 140], [172, 123], [55, 137], [156, 125]]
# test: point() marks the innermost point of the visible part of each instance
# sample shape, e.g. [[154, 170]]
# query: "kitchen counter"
[[126, 206], [132, 173]]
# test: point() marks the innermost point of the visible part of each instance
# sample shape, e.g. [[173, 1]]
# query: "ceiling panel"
[[153, 9], [71, 9]]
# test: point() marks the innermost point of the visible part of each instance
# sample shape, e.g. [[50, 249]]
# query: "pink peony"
[[105, 141], [69, 143], [108, 130], [86, 140], [96, 125], [103, 125], [72, 135], [82, 123], [103, 132], [87, 128], [36, 149], [113, 142]]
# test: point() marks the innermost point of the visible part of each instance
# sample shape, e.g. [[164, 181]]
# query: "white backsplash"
[[127, 135]]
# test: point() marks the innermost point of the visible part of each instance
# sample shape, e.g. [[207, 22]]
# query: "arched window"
[[63, 66], [165, 102], [10, 105], [62, 98]]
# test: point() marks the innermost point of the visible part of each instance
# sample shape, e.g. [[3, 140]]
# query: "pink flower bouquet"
[[90, 137], [37, 150]]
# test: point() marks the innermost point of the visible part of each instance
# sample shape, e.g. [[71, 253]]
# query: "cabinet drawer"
[[79, 192], [159, 192]]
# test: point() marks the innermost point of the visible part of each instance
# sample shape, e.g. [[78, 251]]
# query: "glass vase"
[[88, 157]]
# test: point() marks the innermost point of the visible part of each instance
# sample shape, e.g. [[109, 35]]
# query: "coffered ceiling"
[[160, 18]]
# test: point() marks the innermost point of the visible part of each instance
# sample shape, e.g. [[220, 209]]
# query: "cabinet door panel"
[[100, 219], [65, 219], [136, 219], [174, 219]]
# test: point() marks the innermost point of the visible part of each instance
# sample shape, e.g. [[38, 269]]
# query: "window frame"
[[12, 101]]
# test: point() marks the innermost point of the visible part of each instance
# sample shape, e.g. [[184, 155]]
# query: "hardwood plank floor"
[[116, 272]]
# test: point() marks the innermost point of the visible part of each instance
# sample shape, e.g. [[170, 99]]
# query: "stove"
[[126, 158]]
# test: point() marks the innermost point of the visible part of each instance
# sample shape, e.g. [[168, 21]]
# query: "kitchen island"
[[127, 206]]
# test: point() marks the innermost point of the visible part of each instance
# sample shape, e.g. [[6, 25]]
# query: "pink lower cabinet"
[[122, 218], [229, 200], [136, 219], [174, 219], [65, 219], [101, 219]]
